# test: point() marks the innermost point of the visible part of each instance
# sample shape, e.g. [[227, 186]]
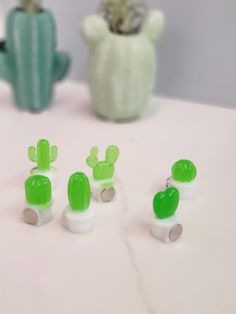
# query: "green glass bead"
[[38, 191], [184, 171], [166, 203], [79, 193]]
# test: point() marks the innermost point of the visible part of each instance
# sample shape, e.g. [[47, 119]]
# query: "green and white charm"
[[44, 155], [165, 225], [38, 205], [183, 178], [78, 217], [103, 185]]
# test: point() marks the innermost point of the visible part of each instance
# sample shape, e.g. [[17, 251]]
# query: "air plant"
[[123, 16], [31, 5]]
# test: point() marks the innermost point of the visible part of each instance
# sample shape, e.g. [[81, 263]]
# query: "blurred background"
[[197, 54]]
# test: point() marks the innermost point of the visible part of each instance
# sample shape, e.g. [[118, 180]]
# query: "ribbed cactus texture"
[[30, 62], [103, 170], [79, 193], [184, 171], [38, 191], [44, 155]]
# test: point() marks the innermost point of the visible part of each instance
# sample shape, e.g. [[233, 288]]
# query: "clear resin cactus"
[[103, 170], [79, 194], [166, 203], [184, 171], [29, 60], [43, 155], [38, 191]]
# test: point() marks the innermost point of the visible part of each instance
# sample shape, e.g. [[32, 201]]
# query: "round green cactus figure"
[[184, 171], [103, 170], [166, 203], [79, 193], [38, 191]]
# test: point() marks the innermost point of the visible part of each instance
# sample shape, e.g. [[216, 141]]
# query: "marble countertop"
[[120, 268]]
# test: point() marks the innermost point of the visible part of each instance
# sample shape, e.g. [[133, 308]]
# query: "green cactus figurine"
[[43, 155], [29, 61], [184, 171], [38, 191], [103, 170], [79, 192]]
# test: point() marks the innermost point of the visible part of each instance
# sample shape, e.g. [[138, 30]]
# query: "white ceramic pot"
[[103, 191], [167, 230], [35, 215], [121, 67]]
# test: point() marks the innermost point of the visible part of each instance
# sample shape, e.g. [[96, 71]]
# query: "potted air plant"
[[104, 181], [122, 57], [29, 61], [38, 207], [78, 217], [44, 155], [165, 224], [183, 178]]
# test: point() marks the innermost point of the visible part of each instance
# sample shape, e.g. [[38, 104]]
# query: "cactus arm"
[[5, 69], [32, 154], [94, 29], [61, 66], [112, 154], [54, 153], [154, 25], [92, 160]]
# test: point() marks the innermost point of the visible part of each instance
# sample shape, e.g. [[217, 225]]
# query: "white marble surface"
[[120, 268]]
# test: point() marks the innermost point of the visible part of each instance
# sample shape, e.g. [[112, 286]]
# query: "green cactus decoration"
[[184, 171], [166, 203], [103, 170], [38, 191], [29, 61], [43, 155], [79, 193]]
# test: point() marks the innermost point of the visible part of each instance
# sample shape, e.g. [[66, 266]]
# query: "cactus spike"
[[92, 160], [54, 153], [79, 193], [32, 154], [112, 154], [38, 191]]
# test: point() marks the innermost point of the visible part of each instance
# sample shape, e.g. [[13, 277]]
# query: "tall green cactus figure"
[[79, 193], [44, 155], [38, 191], [103, 170], [29, 61]]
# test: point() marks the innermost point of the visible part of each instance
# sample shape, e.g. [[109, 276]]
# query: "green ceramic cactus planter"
[[122, 67], [29, 61]]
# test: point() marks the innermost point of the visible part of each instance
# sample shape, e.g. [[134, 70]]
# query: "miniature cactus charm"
[[165, 225], [78, 217], [103, 173], [44, 155], [183, 177], [30, 62], [38, 196]]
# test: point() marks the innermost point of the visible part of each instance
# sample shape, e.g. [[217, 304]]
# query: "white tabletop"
[[120, 268]]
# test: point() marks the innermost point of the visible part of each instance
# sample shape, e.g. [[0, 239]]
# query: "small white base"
[[51, 174], [77, 222], [102, 194], [37, 216], [167, 230], [186, 190]]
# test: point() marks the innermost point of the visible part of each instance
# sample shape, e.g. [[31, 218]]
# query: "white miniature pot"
[[121, 67], [78, 222], [36, 215], [186, 189], [167, 230], [52, 175], [103, 191]]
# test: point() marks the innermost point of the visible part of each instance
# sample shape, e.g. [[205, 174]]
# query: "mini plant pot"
[[77, 216], [44, 155], [30, 62], [38, 207], [165, 225], [103, 182], [183, 178], [121, 67]]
